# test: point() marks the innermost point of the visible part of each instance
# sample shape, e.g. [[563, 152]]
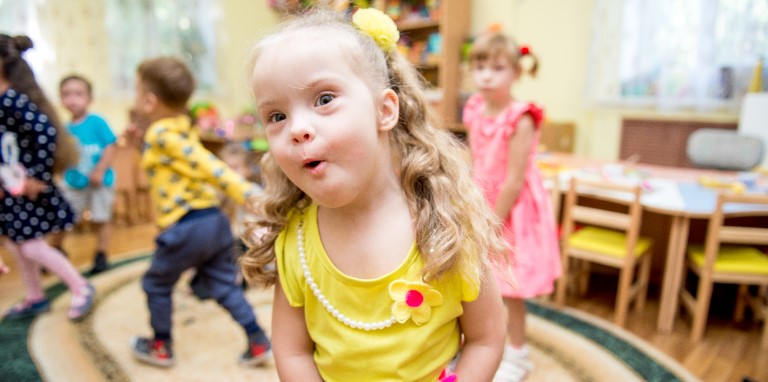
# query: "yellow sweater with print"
[[182, 173]]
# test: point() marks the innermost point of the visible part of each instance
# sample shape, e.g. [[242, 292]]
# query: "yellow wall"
[[560, 32], [557, 31], [80, 47]]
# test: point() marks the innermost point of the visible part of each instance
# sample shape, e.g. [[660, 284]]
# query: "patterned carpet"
[[566, 345]]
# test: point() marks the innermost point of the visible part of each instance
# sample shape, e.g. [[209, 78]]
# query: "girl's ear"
[[389, 110]]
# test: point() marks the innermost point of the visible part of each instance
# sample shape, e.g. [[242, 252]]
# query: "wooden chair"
[[728, 256], [132, 203], [552, 183], [610, 216]]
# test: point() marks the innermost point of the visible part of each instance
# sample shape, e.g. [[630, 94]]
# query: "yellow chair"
[[724, 258], [610, 215]]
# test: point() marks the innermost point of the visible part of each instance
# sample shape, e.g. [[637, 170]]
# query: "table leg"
[[673, 273]]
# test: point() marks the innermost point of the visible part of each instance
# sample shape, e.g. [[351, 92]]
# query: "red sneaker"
[[152, 351]]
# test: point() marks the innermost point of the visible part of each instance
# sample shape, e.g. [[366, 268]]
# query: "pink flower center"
[[414, 298]]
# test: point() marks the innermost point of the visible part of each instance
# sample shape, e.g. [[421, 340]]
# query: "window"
[[135, 30], [21, 18], [142, 29], [676, 53]]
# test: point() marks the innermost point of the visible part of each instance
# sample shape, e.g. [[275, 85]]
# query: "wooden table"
[[674, 192]]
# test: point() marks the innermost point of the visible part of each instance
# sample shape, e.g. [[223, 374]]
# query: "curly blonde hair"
[[490, 45], [455, 229]]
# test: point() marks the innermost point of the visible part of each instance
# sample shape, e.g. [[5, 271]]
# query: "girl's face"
[[75, 97], [238, 164], [325, 125], [494, 76]]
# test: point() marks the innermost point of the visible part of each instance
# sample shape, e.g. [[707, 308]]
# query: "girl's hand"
[[134, 135], [33, 187], [3, 268], [96, 177]]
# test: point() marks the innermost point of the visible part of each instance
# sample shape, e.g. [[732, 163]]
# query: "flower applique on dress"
[[413, 300]]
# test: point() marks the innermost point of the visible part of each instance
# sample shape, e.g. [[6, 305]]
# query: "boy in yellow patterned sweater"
[[194, 232]]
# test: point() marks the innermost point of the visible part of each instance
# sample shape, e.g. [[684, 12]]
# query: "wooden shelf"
[[442, 71], [415, 25], [424, 67]]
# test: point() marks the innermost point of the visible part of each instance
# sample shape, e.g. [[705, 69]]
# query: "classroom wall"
[[559, 32], [79, 41]]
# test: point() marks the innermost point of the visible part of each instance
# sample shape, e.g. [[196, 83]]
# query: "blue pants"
[[201, 239]]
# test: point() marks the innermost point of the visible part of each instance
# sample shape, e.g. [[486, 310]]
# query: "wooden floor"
[[728, 352]]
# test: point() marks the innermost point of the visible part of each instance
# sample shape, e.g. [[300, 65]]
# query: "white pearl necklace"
[[378, 325]]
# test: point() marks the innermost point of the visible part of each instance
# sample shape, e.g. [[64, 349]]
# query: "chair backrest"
[[615, 206], [125, 163], [552, 184], [721, 230], [724, 150], [753, 119]]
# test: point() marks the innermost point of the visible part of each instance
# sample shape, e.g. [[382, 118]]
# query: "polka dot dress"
[[34, 138]]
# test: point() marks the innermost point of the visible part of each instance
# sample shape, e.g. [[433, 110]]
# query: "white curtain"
[[139, 29], [135, 30], [19, 17], [672, 54]]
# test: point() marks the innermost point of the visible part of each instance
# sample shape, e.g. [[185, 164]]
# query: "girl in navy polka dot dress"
[[30, 205]]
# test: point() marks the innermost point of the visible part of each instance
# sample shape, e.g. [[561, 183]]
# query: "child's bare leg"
[[515, 321], [30, 273]]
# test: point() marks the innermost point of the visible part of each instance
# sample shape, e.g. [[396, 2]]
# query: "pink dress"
[[530, 228]]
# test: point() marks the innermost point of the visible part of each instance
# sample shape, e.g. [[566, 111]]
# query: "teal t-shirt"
[[93, 135]]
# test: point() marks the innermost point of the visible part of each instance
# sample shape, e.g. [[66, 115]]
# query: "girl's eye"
[[324, 99], [276, 117]]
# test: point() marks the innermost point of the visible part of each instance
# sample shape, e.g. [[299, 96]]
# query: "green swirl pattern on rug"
[[640, 362], [16, 363]]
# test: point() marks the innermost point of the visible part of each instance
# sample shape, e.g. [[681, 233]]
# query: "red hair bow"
[[525, 50]]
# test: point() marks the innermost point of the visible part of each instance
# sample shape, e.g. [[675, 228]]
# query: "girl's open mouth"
[[312, 164]]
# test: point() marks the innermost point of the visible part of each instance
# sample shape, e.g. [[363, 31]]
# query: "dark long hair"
[[19, 74]]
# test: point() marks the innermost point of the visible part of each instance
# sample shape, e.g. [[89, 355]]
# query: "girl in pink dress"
[[503, 137]]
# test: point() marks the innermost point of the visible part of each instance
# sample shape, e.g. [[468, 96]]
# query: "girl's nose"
[[299, 138], [301, 131]]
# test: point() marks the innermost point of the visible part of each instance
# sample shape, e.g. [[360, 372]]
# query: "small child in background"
[[503, 137], [194, 232], [372, 231], [243, 161], [89, 185], [35, 147]]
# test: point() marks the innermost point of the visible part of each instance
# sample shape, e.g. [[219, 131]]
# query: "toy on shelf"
[[206, 117], [245, 127], [412, 10], [297, 6]]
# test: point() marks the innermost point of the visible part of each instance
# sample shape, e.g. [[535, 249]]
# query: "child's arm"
[[208, 166], [517, 162], [291, 343], [3, 268], [96, 177], [484, 327]]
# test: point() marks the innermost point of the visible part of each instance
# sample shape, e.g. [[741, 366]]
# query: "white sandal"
[[513, 367]]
